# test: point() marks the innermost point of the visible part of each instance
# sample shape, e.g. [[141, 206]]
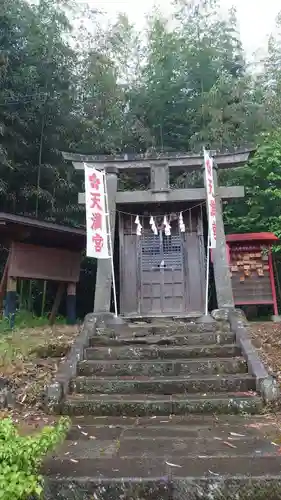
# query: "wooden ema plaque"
[[250, 273]]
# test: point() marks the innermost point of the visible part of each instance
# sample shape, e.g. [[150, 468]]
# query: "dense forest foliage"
[[70, 82]]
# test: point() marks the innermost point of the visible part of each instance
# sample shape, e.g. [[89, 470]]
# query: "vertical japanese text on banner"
[[96, 217], [211, 201]]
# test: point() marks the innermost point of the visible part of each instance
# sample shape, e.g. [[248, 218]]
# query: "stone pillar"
[[220, 256], [104, 273]]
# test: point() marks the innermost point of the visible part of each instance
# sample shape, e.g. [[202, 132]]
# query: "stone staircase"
[[161, 411]]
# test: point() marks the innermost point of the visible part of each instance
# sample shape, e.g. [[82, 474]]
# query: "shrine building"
[[162, 272]]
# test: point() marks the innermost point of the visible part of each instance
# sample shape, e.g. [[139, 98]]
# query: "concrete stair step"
[[152, 368], [221, 426], [177, 327], [172, 485], [175, 457], [157, 467], [160, 447], [155, 404], [164, 385], [162, 352], [169, 338]]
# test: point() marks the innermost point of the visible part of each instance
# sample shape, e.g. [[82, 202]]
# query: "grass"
[[30, 355], [25, 319], [31, 338]]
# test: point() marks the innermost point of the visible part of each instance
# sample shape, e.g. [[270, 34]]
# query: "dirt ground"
[[29, 359], [266, 337]]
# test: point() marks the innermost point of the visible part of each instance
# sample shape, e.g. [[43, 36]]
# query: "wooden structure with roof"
[[162, 275], [44, 251]]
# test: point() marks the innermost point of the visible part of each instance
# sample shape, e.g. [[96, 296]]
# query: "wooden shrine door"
[[161, 274]]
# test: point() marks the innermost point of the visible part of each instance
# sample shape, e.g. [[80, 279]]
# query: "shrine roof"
[[233, 238], [28, 230]]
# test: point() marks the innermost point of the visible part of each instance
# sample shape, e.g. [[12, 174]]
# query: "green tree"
[[260, 210]]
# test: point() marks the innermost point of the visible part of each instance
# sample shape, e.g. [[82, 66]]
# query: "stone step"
[[162, 340], [220, 427], [164, 385], [181, 465], [192, 456], [152, 368], [177, 328], [162, 352], [160, 447], [172, 485], [155, 404]]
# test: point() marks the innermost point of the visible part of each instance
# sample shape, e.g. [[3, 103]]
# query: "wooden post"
[[11, 301], [4, 280], [71, 304], [44, 298], [56, 304], [272, 283], [29, 303], [21, 294]]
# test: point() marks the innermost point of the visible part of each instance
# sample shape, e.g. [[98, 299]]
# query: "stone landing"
[[165, 411]]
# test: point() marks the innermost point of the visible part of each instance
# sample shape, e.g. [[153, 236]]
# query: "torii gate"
[[160, 192]]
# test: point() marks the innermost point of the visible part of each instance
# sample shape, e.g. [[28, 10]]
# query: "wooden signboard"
[[35, 262], [251, 268]]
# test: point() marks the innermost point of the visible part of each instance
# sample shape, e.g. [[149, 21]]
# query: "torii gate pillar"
[[220, 256], [104, 269]]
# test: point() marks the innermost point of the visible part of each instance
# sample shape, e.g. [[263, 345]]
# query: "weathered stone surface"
[[220, 314], [108, 320], [126, 489], [153, 368], [270, 389], [164, 385], [265, 384], [173, 339], [179, 327], [59, 387], [7, 398], [206, 319], [145, 400], [186, 466], [162, 352], [187, 457], [140, 405], [169, 488], [228, 488], [182, 426]]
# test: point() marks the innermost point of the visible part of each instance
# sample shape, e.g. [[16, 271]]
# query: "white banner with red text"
[[96, 217], [211, 201]]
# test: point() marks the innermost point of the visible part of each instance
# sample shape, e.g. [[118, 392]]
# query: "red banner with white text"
[[96, 217], [211, 201]]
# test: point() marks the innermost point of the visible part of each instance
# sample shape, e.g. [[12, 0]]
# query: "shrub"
[[21, 458]]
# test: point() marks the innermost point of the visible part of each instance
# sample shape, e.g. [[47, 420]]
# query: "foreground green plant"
[[21, 458]]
